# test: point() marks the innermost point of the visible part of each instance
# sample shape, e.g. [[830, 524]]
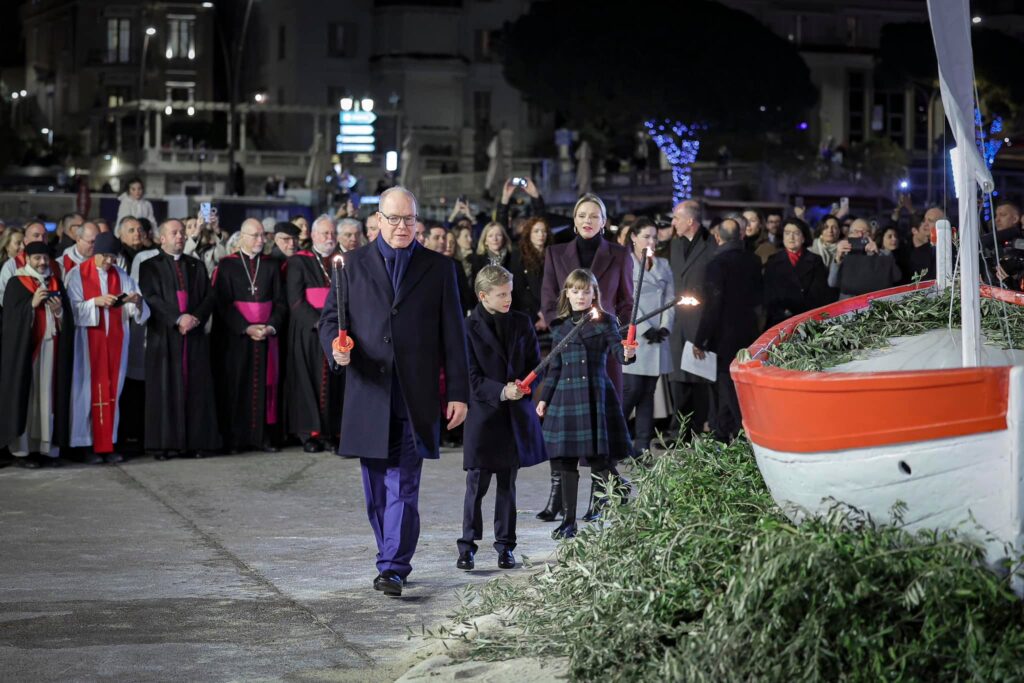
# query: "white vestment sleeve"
[[140, 314], [87, 314]]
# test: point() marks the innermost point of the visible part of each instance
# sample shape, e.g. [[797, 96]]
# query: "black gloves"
[[656, 335]]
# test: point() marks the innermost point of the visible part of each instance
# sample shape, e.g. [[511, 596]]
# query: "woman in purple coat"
[[612, 266]]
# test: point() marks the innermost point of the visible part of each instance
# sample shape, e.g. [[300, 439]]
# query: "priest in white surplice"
[[35, 364], [104, 299]]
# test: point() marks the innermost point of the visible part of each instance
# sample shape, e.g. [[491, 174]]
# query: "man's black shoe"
[[313, 446], [389, 582], [113, 458], [29, 462], [163, 455], [506, 560], [268, 447], [93, 459], [54, 462], [465, 560]]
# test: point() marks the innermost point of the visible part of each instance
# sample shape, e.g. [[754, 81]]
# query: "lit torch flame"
[[688, 301], [595, 313], [339, 261]]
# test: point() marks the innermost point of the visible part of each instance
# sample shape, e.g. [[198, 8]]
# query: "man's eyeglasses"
[[393, 221]]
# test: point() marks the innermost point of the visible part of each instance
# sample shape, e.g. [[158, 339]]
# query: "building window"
[[856, 91], [281, 37], [486, 45], [482, 108], [851, 31], [888, 116], [118, 95], [921, 101], [341, 39], [119, 41], [181, 42], [180, 91], [534, 115]]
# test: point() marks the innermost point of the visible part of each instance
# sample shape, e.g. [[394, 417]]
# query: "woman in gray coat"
[[653, 356]]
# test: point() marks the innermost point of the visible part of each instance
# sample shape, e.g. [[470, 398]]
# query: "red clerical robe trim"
[[39, 322], [104, 355]]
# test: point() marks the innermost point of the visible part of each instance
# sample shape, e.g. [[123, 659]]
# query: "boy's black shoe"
[[389, 582], [506, 560], [465, 560]]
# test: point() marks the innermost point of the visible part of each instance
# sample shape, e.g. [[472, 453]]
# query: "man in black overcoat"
[[728, 323], [400, 304]]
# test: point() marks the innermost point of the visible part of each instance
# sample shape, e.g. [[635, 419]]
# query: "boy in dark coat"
[[502, 431]]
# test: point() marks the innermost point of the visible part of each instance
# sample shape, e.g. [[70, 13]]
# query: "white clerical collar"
[[322, 253], [251, 256]]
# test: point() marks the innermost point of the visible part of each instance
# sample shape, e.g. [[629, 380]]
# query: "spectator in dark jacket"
[[536, 206], [493, 249], [794, 278], [527, 265], [860, 266], [729, 322]]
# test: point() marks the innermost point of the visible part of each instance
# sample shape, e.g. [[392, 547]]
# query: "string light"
[[680, 144]]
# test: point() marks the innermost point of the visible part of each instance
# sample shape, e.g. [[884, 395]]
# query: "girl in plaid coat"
[[583, 416]]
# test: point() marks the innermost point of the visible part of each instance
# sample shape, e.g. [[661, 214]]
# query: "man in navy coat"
[[403, 311]]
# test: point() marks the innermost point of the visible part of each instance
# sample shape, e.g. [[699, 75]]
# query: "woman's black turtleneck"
[[587, 249], [500, 323]]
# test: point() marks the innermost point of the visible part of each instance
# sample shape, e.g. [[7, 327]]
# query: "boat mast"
[[951, 30]]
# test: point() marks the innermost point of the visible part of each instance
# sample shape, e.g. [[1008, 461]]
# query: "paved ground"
[[252, 567]]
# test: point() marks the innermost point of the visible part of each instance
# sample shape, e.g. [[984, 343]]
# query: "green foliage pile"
[[820, 344], [701, 578]]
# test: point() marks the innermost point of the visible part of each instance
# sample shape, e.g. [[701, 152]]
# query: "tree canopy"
[[908, 54], [695, 61]]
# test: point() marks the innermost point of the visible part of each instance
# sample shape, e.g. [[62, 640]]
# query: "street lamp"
[[346, 103], [150, 31], [48, 132], [207, 5], [367, 104], [23, 93]]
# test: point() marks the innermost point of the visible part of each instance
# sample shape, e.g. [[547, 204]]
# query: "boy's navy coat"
[[414, 332], [501, 434]]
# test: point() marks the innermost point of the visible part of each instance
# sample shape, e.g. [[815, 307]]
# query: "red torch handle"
[[630, 340], [343, 343], [524, 384]]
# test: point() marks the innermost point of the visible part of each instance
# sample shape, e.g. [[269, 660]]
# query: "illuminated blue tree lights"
[[680, 144], [989, 148]]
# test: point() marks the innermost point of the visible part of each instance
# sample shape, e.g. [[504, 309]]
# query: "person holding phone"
[[860, 266], [36, 363], [536, 206], [102, 336]]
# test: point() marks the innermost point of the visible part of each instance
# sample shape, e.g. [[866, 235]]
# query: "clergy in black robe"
[[251, 309], [36, 362], [182, 414], [313, 394]]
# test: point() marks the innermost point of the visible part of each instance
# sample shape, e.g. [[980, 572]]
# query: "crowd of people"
[[187, 338]]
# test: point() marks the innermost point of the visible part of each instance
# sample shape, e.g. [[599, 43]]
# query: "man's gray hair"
[[399, 190], [120, 223], [232, 244], [350, 222], [324, 218], [690, 209]]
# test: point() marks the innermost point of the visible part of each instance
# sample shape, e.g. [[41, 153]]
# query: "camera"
[[1011, 258], [520, 182], [858, 244]]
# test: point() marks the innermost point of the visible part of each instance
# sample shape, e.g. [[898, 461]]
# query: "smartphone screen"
[[204, 212]]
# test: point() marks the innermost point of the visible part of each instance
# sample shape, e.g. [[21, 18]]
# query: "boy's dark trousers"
[[477, 483]]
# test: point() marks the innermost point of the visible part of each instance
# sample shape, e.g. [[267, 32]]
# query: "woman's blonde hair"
[[592, 199], [581, 278], [481, 245]]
